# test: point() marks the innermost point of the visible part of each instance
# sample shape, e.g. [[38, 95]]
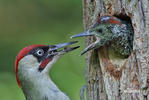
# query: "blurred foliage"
[[26, 22]]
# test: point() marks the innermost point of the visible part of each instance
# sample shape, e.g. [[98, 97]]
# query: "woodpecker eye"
[[40, 52]]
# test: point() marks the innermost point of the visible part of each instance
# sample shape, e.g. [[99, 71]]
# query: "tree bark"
[[114, 78]]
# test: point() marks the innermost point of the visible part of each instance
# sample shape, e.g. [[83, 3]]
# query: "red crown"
[[109, 19]]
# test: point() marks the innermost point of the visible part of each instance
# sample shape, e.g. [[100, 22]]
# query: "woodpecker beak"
[[86, 33], [57, 49], [91, 46]]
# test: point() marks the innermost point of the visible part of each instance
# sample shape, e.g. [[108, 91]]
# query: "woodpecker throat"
[[111, 31]]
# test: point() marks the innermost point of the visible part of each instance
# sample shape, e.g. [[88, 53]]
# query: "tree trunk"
[[114, 78]]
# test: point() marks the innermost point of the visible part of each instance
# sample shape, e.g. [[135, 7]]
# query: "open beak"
[[60, 49], [91, 46]]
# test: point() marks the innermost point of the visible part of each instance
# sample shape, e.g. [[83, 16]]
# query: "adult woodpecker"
[[115, 33], [32, 67]]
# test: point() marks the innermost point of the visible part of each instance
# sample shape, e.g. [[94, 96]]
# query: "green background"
[[26, 22]]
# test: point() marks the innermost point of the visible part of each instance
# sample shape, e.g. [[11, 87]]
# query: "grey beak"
[[54, 48], [61, 45], [86, 33], [91, 46]]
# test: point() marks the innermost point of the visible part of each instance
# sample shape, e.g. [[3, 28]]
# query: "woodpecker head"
[[102, 30], [35, 60]]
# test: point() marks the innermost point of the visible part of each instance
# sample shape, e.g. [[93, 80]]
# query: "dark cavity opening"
[[92, 0], [123, 17]]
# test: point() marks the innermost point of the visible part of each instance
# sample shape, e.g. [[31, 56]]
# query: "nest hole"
[[123, 17]]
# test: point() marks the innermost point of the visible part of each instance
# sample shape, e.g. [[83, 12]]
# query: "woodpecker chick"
[[32, 67], [113, 32]]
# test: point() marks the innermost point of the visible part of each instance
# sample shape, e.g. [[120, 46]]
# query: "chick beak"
[[91, 46], [54, 49], [86, 33]]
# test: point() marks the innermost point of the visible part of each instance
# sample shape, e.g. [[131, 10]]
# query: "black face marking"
[[40, 53]]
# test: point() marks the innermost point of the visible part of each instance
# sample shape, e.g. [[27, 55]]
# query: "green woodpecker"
[[111, 31]]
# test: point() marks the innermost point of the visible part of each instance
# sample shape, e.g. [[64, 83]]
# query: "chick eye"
[[99, 30], [40, 52]]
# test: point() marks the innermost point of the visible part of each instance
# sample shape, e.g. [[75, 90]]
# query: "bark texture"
[[110, 77]]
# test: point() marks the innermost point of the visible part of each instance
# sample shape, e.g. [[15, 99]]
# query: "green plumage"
[[118, 37], [111, 31]]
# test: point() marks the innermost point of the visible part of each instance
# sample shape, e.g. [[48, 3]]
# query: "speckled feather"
[[123, 44]]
